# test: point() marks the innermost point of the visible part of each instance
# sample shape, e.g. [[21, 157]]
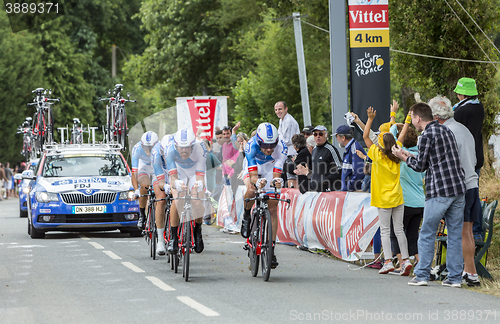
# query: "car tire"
[[23, 213], [34, 233]]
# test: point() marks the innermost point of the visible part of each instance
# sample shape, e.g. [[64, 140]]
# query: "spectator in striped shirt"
[[445, 193]]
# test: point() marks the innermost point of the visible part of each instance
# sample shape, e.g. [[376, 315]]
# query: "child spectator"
[[386, 191]]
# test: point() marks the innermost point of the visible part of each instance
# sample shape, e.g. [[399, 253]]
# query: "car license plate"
[[89, 209]]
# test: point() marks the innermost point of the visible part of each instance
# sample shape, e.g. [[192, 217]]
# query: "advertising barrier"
[[343, 223]]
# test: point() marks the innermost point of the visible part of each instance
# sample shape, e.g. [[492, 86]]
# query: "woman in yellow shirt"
[[386, 191]]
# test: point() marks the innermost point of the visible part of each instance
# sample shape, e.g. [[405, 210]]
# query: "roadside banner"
[[343, 223], [369, 53], [202, 113]]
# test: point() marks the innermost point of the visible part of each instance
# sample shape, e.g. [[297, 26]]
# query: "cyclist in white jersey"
[[142, 171], [265, 154], [161, 180], [186, 164]]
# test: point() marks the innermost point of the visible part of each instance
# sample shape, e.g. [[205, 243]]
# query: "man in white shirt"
[[288, 127]]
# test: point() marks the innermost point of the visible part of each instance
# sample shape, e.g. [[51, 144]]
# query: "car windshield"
[[79, 165]]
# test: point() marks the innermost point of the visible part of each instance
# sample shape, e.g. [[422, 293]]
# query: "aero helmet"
[[267, 136], [148, 140], [184, 138]]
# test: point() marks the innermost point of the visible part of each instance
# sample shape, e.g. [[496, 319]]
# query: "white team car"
[[81, 188]]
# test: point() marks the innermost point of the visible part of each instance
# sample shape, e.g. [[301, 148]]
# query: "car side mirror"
[[28, 174]]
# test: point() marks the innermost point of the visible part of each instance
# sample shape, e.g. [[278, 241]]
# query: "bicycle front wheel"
[[252, 252], [266, 249], [187, 250], [154, 234]]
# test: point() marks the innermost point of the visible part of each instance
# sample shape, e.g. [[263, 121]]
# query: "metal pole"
[[338, 62], [301, 62]]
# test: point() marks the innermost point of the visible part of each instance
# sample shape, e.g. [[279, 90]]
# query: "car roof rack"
[[58, 147]]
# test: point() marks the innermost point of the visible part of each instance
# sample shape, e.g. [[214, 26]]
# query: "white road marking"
[[96, 245], [132, 267], [83, 237], [160, 284], [24, 246], [112, 255], [197, 306]]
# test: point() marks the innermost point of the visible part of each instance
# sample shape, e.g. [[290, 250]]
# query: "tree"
[[434, 29], [21, 73]]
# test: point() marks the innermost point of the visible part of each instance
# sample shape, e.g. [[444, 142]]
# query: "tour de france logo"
[[369, 64]]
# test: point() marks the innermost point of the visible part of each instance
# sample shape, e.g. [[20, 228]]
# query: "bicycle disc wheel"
[[187, 251], [252, 253], [266, 249]]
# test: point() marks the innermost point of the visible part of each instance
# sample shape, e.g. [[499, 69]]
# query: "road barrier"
[[343, 223]]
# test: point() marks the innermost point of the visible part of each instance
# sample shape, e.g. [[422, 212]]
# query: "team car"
[[24, 187], [84, 187]]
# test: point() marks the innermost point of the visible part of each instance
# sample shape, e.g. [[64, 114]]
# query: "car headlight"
[[126, 195], [45, 197], [26, 190]]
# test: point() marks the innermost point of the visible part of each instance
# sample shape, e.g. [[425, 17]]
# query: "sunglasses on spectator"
[[319, 134]]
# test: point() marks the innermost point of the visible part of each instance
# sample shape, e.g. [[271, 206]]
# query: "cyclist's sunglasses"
[[268, 146]]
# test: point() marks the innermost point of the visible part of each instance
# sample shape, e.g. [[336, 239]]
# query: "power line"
[[467, 29], [441, 58]]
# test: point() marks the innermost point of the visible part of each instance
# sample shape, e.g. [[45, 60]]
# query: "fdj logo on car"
[[369, 64]]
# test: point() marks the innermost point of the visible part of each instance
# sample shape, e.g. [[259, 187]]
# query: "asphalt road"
[[110, 278]]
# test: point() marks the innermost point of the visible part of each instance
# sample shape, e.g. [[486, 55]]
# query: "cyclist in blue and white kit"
[[265, 154], [186, 164], [161, 180], [142, 171]]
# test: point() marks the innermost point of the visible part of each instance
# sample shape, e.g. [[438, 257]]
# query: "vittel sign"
[[368, 14]]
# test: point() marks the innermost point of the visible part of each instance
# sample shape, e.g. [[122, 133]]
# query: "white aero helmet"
[[267, 136], [148, 140], [166, 141], [184, 138]]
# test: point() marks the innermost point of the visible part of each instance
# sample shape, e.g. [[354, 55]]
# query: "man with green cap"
[[470, 112]]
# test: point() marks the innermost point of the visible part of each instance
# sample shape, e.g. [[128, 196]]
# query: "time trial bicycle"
[[260, 242], [185, 235]]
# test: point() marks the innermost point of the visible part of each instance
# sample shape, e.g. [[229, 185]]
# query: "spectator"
[[229, 155], [310, 143], [237, 178], [212, 164], [326, 169], [303, 158], [443, 113], [9, 185], [217, 151], [386, 192], [352, 164], [3, 179], [287, 128], [307, 131], [367, 170], [445, 192], [412, 183], [217, 147], [470, 112]]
